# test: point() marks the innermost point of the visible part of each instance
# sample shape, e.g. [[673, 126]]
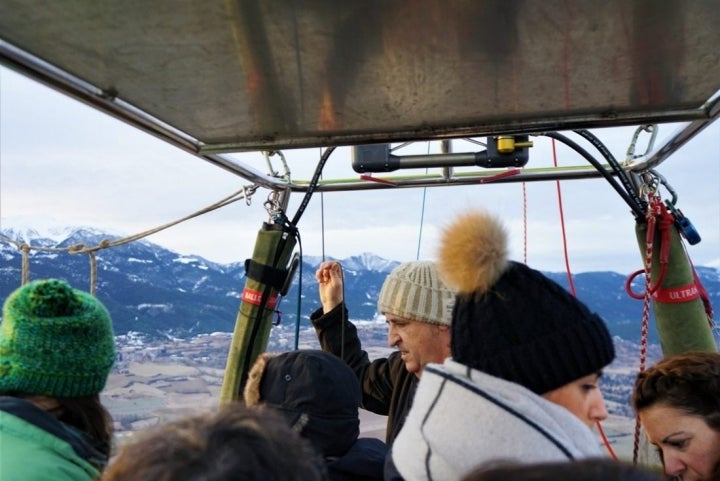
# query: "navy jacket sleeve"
[[339, 336], [388, 388]]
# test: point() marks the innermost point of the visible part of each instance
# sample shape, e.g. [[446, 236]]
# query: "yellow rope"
[[93, 272], [25, 262], [242, 194]]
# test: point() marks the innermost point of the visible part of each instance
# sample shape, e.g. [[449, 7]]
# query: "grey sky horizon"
[[63, 163]]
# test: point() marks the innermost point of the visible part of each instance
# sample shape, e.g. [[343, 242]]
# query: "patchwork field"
[[156, 382]]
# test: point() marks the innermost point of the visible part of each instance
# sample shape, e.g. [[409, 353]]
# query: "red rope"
[[657, 217], [501, 175], [571, 283], [605, 440], [562, 224], [379, 180], [649, 240]]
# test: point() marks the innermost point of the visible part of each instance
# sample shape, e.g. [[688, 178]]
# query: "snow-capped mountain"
[[150, 289], [23, 229], [153, 290]]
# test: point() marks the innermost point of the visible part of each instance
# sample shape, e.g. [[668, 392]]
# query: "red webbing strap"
[[703, 295], [677, 294]]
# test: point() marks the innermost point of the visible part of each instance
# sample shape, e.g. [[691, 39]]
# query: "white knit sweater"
[[462, 418]]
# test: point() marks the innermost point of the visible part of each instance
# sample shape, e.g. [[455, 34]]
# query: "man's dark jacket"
[[388, 388]]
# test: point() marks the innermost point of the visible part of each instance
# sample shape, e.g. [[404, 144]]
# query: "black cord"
[[342, 314], [299, 299], [637, 210], [619, 171], [301, 209], [313, 184]]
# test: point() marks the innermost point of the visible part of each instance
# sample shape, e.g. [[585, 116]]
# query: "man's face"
[[419, 342]]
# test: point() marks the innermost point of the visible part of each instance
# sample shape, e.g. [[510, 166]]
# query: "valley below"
[[158, 380]]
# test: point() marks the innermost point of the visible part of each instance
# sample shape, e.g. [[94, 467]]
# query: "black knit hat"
[[511, 321], [316, 391]]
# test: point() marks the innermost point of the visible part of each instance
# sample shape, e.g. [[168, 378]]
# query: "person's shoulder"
[[29, 452], [367, 450], [364, 460], [372, 446]]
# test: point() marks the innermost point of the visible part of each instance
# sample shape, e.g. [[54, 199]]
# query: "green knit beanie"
[[54, 341]]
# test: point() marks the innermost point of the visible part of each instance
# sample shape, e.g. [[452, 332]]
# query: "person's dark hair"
[[89, 416], [689, 382], [235, 443], [598, 469]]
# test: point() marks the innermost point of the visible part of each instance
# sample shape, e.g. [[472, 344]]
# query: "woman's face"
[[581, 397], [689, 448]]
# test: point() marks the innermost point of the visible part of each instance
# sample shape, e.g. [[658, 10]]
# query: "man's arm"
[[339, 336], [377, 378]]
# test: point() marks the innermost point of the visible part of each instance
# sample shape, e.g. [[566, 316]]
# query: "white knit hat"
[[415, 291]]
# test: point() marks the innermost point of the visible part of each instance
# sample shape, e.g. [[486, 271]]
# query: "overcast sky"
[[63, 163]]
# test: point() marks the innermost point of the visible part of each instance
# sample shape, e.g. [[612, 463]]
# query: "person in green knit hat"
[[56, 352]]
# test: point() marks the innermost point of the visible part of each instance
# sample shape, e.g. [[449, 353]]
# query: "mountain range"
[[155, 291]]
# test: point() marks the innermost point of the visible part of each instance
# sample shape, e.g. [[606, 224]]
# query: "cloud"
[[62, 159]]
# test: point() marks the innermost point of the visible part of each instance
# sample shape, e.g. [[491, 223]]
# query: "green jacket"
[[388, 388], [35, 446]]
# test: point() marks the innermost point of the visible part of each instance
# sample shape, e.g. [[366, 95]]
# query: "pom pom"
[[52, 298], [473, 252]]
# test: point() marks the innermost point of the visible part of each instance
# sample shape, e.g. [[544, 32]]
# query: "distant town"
[[155, 380]]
